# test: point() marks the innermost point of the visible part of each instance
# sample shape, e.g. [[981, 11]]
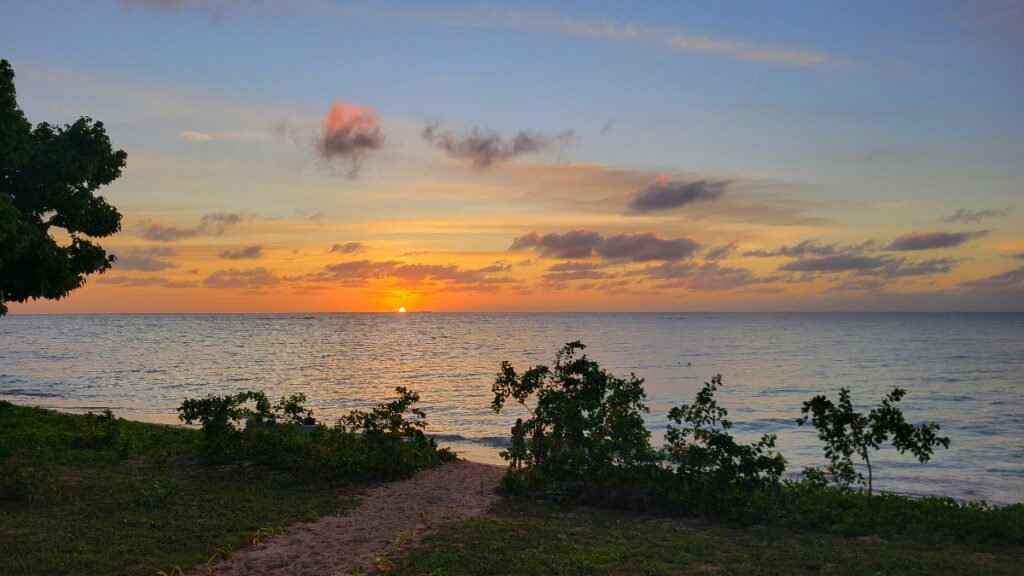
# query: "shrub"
[[586, 424], [846, 433], [382, 443], [707, 460]]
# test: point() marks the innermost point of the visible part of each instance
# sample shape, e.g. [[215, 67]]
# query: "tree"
[[48, 179], [847, 432], [585, 422]]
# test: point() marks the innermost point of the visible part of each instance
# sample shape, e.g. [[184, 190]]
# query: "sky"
[[313, 155]]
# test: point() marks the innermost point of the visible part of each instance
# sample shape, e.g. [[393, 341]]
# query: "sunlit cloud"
[[348, 134], [144, 260], [252, 278], [144, 282]]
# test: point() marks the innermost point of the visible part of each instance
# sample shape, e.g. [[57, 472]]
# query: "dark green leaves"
[[48, 177]]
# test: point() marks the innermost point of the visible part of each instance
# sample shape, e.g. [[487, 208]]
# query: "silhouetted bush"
[[383, 443]]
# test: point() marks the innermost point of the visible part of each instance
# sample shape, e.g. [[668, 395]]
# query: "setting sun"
[[401, 309]]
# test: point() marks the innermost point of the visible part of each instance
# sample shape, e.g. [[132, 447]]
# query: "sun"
[[401, 309]]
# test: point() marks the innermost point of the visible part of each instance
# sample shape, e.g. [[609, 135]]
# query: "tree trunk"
[[868, 460]]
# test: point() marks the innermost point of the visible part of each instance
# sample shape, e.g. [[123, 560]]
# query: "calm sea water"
[[965, 371]]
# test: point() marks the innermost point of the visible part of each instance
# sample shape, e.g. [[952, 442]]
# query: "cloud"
[[932, 240], [485, 147], [349, 248], [228, 136], [835, 263], [252, 278], [249, 252], [645, 246], [706, 277], [349, 133], [666, 194], [811, 247], [212, 224], [144, 260], [667, 37], [565, 271], [1018, 256], [144, 282], [973, 216], [900, 267], [1009, 280], [572, 244], [720, 251], [450, 277], [632, 247]]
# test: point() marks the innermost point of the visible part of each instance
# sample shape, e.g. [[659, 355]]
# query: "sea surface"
[[964, 371]]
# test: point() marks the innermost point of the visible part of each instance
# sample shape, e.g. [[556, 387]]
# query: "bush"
[[709, 464], [380, 444], [586, 425]]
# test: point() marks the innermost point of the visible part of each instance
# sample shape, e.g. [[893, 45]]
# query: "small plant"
[[847, 432], [389, 418], [217, 415], [701, 450]]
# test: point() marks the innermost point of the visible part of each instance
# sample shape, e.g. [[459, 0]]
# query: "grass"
[[531, 538], [93, 495]]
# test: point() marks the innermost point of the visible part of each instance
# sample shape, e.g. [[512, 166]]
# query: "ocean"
[[964, 371]]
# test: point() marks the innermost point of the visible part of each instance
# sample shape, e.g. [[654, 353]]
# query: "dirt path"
[[392, 518]]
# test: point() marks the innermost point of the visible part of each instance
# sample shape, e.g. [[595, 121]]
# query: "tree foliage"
[[585, 422], [48, 178], [847, 433], [704, 453]]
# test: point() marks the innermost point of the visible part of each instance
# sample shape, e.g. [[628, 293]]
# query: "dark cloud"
[[566, 271], [720, 251], [486, 147], [805, 248], [967, 216], [212, 224], [932, 240], [667, 194], [349, 248], [144, 260], [348, 134], [835, 263], [247, 253], [573, 244], [646, 246], [576, 266], [706, 277], [632, 247], [900, 267], [232, 278], [144, 282], [1018, 256], [449, 277], [1004, 281]]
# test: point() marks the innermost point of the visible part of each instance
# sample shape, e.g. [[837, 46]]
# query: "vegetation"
[[100, 495], [847, 432], [385, 443], [48, 179], [585, 443], [531, 538]]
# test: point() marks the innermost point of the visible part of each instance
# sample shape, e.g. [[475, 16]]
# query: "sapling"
[[847, 432]]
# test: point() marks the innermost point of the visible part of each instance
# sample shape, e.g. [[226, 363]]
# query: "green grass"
[[523, 537], [81, 495]]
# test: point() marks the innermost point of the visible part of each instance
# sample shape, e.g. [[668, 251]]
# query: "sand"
[[391, 519]]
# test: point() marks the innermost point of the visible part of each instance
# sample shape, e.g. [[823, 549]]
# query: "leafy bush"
[[847, 433], [705, 457], [382, 443], [586, 425]]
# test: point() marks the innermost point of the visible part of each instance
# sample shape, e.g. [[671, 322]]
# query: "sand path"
[[392, 518]]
